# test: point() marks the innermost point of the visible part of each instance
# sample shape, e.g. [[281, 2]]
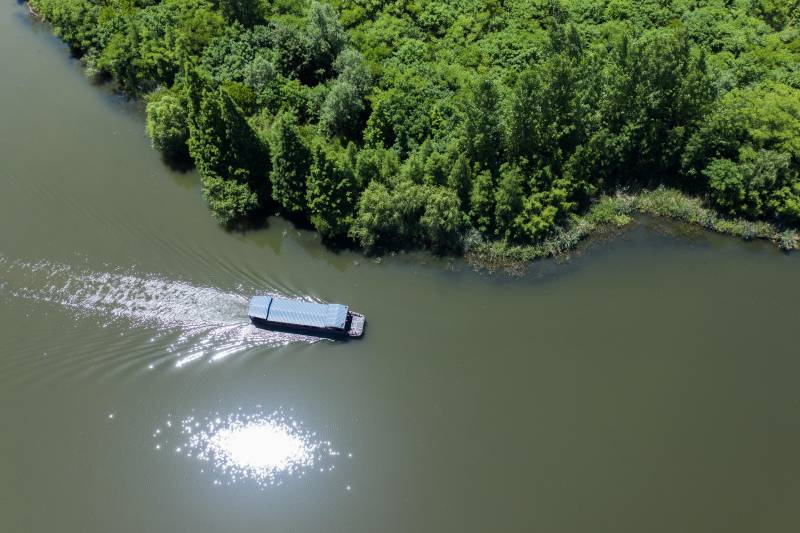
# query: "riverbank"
[[264, 135], [615, 212]]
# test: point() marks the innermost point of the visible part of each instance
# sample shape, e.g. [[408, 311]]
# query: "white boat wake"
[[210, 324]]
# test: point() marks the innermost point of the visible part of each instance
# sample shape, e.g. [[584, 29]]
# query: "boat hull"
[[348, 333]]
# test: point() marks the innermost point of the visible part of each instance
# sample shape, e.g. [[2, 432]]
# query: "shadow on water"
[[182, 164], [333, 336]]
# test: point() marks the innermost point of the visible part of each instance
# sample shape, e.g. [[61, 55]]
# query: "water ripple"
[[200, 323]]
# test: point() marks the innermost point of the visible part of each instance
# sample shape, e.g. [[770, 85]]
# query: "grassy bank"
[[614, 212]]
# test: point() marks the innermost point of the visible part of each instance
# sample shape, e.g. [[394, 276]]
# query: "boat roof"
[[298, 312]]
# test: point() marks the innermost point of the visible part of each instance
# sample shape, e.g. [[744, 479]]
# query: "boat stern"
[[357, 323]]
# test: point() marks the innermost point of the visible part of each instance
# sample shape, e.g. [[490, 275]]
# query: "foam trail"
[[210, 323]]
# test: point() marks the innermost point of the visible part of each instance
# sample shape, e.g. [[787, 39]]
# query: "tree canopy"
[[411, 123]]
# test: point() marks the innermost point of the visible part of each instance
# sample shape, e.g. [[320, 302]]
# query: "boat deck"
[[326, 320], [356, 326]]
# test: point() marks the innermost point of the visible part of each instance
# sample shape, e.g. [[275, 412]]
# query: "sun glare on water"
[[262, 447], [267, 449]]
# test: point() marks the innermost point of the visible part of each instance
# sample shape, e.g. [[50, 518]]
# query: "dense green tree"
[[482, 132], [120, 58], [325, 37], [762, 117], [544, 209], [509, 199], [75, 21], [378, 222], [460, 180], [197, 26], [222, 143], [166, 124], [230, 58], [247, 12], [525, 118], [260, 73], [231, 201], [224, 146], [291, 49], [777, 13], [352, 68], [747, 188], [410, 200], [436, 169], [375, 164], [746, 154], [242, 95], [409, 214], [442, 222], [516, 113], [291, 163], [341, 112], [482, 202], [331, 193], [668, 91], [401, 116]]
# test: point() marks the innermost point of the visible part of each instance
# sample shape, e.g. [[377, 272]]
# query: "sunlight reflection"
[[263, 448]]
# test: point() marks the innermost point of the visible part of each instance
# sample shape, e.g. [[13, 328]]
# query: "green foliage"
[[747, 153], [761, 117], [544, 210], [442, 222], [379, 222], [406, 113], [75, 21], [331, 193], [230, 201], [224, 147], [291, 163], [519, 114], [260, 73], [344, 107], [325, 37], [776, 13], [291, 48], [460, 180], [406, 215], [745, 188], [232, 57], [509, 201], [166, 124], [247, 12], [482, 133], [376, 164], [242, 95], [482, 200]]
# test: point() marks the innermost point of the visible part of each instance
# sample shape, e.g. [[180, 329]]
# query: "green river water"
[[648, 384]]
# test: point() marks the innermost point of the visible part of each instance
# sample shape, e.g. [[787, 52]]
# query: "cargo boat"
[[327, 320]]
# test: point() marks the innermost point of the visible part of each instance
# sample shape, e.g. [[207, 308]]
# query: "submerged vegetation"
[[500, 128]]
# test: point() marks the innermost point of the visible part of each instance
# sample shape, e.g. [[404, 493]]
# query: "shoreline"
[[613, 213], [608, 213]]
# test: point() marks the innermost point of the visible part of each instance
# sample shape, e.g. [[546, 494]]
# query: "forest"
[[400, 124]]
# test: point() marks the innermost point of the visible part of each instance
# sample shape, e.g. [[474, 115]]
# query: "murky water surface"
[[648, 384]]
